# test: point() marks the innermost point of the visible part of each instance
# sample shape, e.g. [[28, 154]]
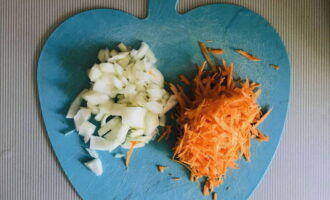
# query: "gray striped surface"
[[28, 168]]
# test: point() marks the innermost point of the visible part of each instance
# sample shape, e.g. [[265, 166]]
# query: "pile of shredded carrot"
[[216, 123]]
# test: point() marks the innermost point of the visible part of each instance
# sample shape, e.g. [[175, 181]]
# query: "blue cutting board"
[[72, 49]]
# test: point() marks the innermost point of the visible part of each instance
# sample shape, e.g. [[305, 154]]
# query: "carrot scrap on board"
[[216, 123], [247, 55], [207, 56], [275, 66], [130, 151], [215, 196], [176, 178], [166, 133], [184, 79], [161, 168], [215, 51]]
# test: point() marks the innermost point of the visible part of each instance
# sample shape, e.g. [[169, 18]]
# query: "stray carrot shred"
[[215, 51], [207, 56], [216, 123], [215, 196], [275, 67], [166, 133], [247, 55], [161, 168], [205, 190], [130, 151], [176, 178], [184, 79]]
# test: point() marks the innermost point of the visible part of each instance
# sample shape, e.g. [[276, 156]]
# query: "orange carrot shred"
[[207, 56], [215, 51], [216, 123], [130, 151], [247, 55], [176, 178], [215, 196], [184, 79], [166, 133], [275, 66], [161, 168], [205, 190]]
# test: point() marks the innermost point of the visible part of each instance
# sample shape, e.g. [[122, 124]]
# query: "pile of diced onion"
[[128, 99]]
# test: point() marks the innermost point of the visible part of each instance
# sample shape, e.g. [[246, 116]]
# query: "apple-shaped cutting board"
[[72, 49]]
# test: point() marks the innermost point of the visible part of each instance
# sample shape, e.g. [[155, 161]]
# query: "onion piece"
[[122, 47], [103, 55], [141, 52], [95, 97], [107, 67], [154, 107], [171, 102], [136, 133], [99, 143], [95, 166], [119, 155], [162, 120], [108, 126], [95, 73], [119, 56], [133, 116], [151, 122], [86, 129], [117, 136], [75, 105], [82, 115], [92, 153]]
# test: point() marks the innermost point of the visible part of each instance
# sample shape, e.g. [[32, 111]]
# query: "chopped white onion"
[[75, 105], [99, 143], [82, 115], [107, 67], [162, 120], [95, 73], [95, 97], [103, 55], [151, 122], [95, 166], [141, 52], [122, 47], [133, 116], [119, 155], [154, 107], [136, 133], [94, 108], [119, 56], [127, 88], [86, 129], [92, 153], [171, 102], [108, 126], [117, 136]]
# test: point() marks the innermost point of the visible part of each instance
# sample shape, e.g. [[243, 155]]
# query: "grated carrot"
[[184, 79], [207, 56], [161, 168], [166, 133], [216, 123], [275, 67], [176, 178], [130, 151], [247, 55], [215, 51], [215, 196]]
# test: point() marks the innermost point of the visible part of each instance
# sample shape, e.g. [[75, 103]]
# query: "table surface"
[[28, 167]]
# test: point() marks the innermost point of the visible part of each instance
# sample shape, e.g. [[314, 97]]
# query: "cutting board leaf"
[[72, 49]]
